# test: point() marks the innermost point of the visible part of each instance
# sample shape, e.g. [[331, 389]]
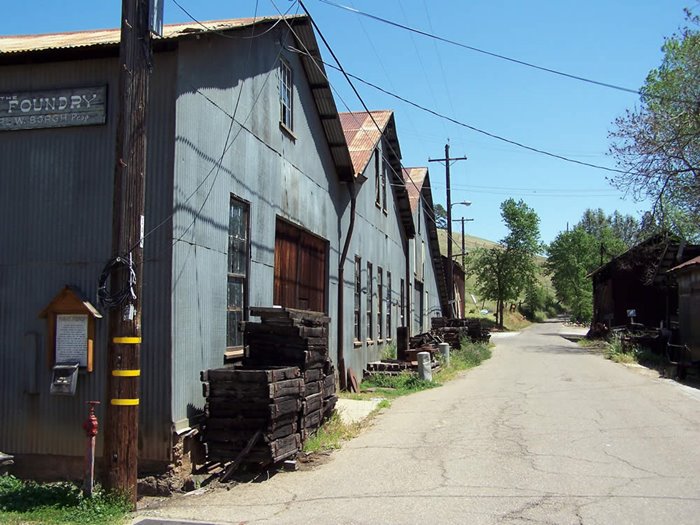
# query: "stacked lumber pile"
[[252, 410], [451, 331], [286, 336], [262, 411]]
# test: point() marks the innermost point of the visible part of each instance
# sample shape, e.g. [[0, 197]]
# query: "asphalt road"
[[544, 432]]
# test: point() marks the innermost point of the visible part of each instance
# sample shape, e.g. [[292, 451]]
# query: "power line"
[[474, 128], [227, 144], [313, 22], [485, 52], [306, 52], [221, 33]]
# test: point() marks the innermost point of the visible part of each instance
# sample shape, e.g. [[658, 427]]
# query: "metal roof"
[[363, 132], [686, 265], [363, 135], [57, 45], [414, 177], [110, 37]]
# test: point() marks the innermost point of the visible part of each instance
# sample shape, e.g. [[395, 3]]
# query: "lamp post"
[[450, 240]]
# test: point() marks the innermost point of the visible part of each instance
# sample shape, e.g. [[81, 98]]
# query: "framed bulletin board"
[[70, 329]]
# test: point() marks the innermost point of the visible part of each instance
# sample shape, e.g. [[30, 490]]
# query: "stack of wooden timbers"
[[451, 331], [262, 411]]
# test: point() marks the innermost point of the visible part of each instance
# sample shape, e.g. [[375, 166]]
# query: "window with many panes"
[[358, 295], [377, 181], [402, 304], [380, 302], [388, 305], [370, 310], [237, 273], [385, 174], [286, 100]]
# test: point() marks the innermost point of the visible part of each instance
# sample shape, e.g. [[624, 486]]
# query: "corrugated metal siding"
[[55, 229], [156, 379], [55, 224], [280, 176]]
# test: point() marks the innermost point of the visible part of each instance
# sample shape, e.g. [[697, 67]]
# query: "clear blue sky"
[[616, 42]]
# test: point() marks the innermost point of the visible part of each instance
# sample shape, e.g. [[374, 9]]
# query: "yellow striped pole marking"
[[126, 340], [126, 373], [124, 402]]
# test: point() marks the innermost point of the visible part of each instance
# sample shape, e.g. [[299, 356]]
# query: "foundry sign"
[[58, 108]]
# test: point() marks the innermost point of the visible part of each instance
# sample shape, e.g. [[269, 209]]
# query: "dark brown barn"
[[637, 282]]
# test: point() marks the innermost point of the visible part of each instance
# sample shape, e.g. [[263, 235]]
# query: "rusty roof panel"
[[363, 135], [414, 179], [107, 37], [692, 262]]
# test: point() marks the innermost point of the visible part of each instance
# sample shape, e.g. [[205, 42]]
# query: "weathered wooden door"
[[300, 268]]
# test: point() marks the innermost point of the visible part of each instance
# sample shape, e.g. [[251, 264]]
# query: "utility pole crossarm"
[[450, 275]]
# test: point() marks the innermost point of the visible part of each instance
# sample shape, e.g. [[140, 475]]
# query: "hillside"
[[470, 243]]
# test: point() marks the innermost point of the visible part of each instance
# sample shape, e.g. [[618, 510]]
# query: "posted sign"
[[58, 108]]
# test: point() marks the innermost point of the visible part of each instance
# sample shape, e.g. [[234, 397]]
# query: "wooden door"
[[300, 268]]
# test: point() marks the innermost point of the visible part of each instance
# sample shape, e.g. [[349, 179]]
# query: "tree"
[[673, 221], [658, 144], [502, 272], [440, 217], [616, 233], [571, 257]]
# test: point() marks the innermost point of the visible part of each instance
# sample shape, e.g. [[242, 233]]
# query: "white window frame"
[[286, 93]]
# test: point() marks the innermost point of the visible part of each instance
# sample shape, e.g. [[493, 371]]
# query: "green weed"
[[28, 502], [389, 351], [618, 352], [332, 434]]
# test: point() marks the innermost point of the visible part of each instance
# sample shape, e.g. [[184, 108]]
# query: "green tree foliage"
[[571, 256], [658, 144], [538, 303], [616, 233], [674, 221], [503, 272]]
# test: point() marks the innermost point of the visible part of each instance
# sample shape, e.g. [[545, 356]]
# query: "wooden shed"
[[637, 287], [687, 275]]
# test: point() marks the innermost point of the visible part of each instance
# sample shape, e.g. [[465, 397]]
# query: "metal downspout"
[[342, 374]]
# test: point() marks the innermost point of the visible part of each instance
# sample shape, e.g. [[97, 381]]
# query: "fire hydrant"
[[90, 426]]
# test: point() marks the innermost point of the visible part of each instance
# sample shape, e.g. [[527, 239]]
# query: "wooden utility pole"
[[121, 425], [450, 275], [464, 252]]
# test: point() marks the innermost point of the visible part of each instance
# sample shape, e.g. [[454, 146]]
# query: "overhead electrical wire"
[[221, 33], [483, 51], [227, 144], [431, 214], [316, 62], [474, 128]]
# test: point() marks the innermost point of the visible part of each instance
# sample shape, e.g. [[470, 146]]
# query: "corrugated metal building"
[[252, 199], [246, 153], [378, 268], [427, 269]]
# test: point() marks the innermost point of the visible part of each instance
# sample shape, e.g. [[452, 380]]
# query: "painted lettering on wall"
[[58, 108]]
